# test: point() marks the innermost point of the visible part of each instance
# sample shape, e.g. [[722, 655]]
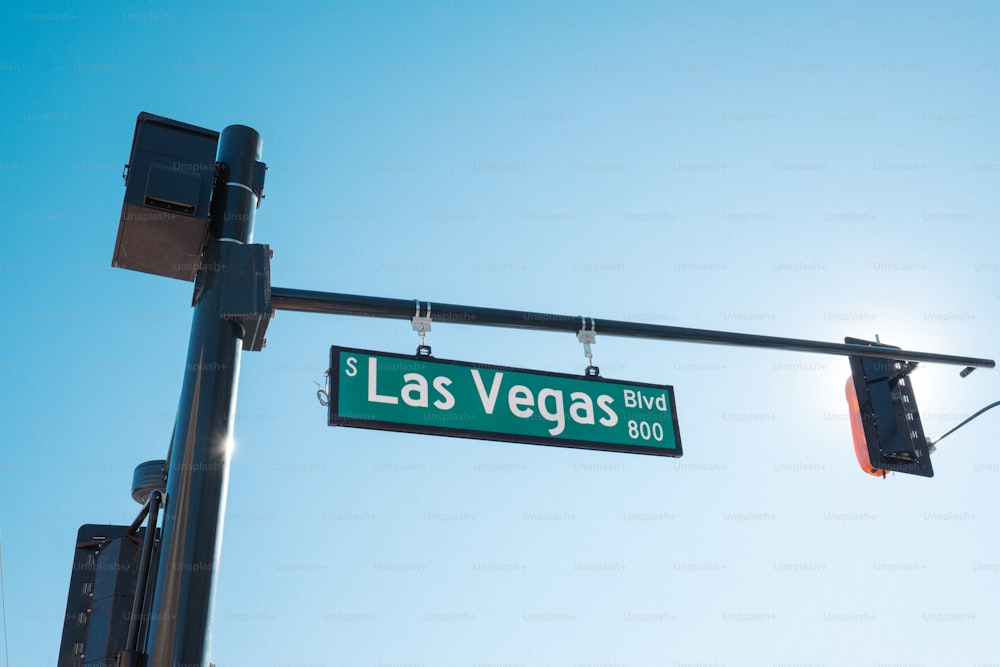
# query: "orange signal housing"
[[858, 431]]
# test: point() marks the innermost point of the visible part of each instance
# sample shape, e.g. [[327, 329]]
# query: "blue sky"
[[813, 170]]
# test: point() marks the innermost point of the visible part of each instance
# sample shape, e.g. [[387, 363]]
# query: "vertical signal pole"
[[199, 458]]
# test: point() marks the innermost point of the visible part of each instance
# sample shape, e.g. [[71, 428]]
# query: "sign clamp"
[[422, 325], [588, 338]]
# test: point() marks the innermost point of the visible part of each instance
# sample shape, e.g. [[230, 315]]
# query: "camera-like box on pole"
[[168, 191]]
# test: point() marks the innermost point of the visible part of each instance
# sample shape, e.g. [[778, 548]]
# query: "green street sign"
[[422, 394]]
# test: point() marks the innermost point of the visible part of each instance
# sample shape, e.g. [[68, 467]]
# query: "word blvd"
[[635, 399]]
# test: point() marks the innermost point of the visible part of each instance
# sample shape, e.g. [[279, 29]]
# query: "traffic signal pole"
[[169, 177], [199, 457], [368, 306]]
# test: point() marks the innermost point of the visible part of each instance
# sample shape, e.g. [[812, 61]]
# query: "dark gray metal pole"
[[370, 306], [131, 656], [198, 462]]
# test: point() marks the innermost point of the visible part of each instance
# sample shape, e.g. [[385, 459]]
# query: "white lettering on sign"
[[635, 399], [489, 400], [522, 402], [582, 408], [604, 403], [447, 401], [519, 396], [557, 414], [373, 395], [415, 390], [414, 393]]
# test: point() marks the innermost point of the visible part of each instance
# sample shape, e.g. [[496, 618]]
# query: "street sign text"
[[422, 394]]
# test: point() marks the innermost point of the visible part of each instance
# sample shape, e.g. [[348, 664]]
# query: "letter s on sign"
[[352, 367], [604, 403]]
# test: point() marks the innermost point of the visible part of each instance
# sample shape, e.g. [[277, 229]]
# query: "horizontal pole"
[[402, 309]]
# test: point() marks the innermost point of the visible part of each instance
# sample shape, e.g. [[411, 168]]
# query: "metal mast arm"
[[402, 309]]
